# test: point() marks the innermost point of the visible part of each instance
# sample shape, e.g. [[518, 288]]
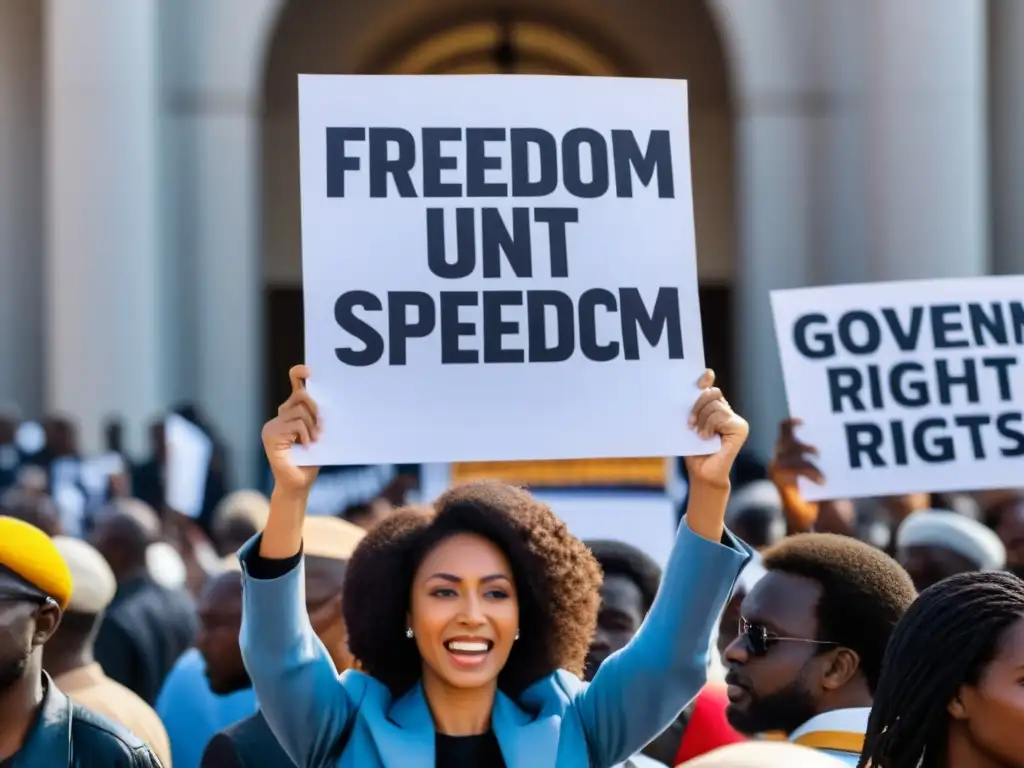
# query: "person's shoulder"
[[221, 752], [248, 727], [135, 705], [99, 738], [240, 742]]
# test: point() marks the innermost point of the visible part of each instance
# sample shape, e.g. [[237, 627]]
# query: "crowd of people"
[[476, 630]]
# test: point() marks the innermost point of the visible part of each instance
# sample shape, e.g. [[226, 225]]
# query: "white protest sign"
[[189, 451], [498, 268], [908, 386]]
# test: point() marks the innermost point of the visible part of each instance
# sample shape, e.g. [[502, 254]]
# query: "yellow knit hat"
[[30, 553]]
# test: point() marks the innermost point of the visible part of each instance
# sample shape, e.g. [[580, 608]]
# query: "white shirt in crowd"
[[839, 733]]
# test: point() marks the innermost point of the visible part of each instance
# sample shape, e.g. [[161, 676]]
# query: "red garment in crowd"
[[708, 729]]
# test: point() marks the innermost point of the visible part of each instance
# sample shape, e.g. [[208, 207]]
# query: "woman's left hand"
[[712, 415]]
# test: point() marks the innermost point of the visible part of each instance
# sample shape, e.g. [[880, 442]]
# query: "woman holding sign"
[[472, 623]]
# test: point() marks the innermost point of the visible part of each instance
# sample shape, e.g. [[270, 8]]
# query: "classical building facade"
[[149, 207]]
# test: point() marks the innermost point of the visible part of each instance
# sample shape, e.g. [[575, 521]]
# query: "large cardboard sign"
[[498, 268]]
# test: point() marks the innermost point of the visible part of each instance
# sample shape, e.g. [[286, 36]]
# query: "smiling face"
[[464, 611]]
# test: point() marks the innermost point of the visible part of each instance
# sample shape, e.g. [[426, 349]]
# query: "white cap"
[[759, 493], [165, 566], [93, 582], [949, 530], [330, 537], [249, 506]]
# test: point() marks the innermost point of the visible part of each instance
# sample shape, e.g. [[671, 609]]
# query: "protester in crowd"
[[147, 626], [147, 476], [628, 588], [33, 479], [208, 689], [1006, 518], [950, 693], [39, 725], [935, 544], [68, 656], [328, 544], [10, 456], [467, 622], [237, 518], [764, 755], [630, 584], [34, 508], [395, 493], [812, 636], [61, 438], [755, 514], [185, 558], [367, 515]]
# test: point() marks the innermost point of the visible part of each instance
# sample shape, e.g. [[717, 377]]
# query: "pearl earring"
[[408, 633], [517, 635]]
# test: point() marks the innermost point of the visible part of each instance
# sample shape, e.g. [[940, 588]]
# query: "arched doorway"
[[650, 38]]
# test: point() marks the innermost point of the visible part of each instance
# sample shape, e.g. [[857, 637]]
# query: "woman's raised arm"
[[296, 682], [641, 689]]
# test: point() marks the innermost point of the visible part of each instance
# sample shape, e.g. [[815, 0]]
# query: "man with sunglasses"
[[39, 726], [812, 635]]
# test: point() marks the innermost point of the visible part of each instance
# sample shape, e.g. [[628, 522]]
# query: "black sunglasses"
[[21, 596], [759, 640]]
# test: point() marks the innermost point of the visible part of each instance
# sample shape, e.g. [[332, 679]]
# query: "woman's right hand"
[[297, 422]]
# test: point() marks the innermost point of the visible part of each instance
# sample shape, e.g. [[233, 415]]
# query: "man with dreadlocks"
[[951, 693]]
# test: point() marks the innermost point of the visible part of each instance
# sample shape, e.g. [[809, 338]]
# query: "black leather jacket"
[[69, 736]]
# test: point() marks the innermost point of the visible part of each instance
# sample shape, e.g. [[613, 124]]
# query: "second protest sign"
[[908, 386]]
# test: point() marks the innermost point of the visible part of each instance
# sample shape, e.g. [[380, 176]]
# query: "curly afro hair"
[[557, 581], [864, 592]]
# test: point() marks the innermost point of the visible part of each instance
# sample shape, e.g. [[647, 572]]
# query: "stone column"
[[102, 202], [1006, 113], [214, 83], [926, 133], [21, 203], [776, 114]]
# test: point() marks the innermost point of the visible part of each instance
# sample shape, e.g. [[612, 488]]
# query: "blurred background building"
[[149, 195]]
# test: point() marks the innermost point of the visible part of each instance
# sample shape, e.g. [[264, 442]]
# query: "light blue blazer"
[[558, 722]]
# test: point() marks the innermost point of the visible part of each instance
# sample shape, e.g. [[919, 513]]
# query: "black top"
[[468, 752], [251, 744], [265, 568]]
